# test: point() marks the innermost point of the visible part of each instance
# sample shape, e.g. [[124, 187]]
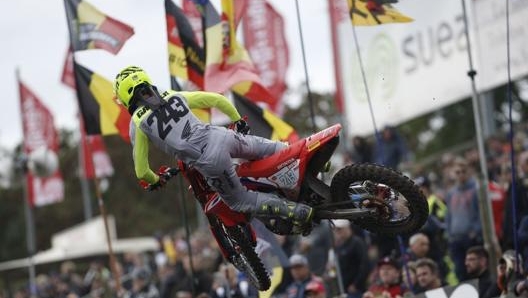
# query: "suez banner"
[[464, 290], [491, 40], [411, 68]]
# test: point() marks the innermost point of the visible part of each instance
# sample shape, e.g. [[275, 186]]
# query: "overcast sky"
[[35, 39]]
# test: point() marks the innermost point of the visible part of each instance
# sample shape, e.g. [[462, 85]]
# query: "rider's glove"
[[164, 174], [241, 126], [153, 186]]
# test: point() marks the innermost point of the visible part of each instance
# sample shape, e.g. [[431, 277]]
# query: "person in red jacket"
[[389, 283]]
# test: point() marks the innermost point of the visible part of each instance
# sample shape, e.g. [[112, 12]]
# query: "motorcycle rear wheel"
[[388, 179]]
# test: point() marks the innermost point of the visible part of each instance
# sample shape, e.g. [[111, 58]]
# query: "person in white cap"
[[301, 275]]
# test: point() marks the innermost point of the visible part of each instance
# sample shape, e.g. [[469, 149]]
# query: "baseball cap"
[[388, 261], [422, 181], [315, 286], [341, 223], [298, 260]]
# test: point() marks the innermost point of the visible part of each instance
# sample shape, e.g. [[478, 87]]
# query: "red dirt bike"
[[371, 196]]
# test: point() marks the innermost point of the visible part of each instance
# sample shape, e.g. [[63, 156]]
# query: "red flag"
[[95, 160], [68, 77], [92, 29], [264, 38], [39, 131]]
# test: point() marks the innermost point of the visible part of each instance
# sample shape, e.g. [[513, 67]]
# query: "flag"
[[263, 122], [100, 111], [264, 38], [95, 161], [186, 56], [92, 29], [227, 63], [195, 19], [68, 78], [375, 12], [39, 131]]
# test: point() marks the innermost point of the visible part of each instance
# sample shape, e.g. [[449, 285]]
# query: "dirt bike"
[[371, 196]]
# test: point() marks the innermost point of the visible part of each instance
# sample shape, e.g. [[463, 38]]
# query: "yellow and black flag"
[[100, 111], [375, 12], [186, 56], [92, 29], [263, 122]]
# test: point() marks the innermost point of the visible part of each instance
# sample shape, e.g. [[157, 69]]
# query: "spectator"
[[315, 247], [427, 276], [389, 283], [463, 218], [361, 150], [315, 289], [418, 246], [477, 259], [521, 200], [228, 282], [142, 286], [391, 149], [351, 252], [523, 241], [301, 274]]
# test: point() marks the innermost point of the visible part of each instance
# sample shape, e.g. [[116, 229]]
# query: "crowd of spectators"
[[340, 259]]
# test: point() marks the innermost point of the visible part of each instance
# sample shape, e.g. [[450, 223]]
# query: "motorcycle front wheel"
[[241, 252], [401, 208]]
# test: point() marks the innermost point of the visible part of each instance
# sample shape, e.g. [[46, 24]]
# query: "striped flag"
[[39, 132], [263, 122], [227, 62], [92, 29], [99, 109], [375, 12], [186, 56]]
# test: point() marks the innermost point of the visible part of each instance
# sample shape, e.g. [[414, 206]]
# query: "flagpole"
[[30, 231], [29, 218], [488, 227], [100, 201]]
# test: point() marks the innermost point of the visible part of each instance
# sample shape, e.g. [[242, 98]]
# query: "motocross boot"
[[299, 214]]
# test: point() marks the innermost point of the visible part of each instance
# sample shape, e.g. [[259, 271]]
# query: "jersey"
[[173, 128]]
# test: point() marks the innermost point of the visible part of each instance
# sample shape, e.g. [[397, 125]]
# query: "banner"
[[100, 111], [410, 68], [491, 41], [92, 29], [264, 38], [39, 131], [467, 289]]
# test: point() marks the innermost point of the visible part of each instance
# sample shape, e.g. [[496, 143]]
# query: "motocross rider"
[[164, 118]]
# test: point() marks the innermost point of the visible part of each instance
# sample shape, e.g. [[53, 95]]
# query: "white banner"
[[491, 40], [411, 68]]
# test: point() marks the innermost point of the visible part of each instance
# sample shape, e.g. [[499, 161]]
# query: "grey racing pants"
[[216, 164]]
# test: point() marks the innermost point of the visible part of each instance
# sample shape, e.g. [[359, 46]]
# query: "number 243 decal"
[[173, 110]]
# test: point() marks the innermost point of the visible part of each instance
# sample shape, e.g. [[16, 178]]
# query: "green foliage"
[[325, 114], [137, 213]]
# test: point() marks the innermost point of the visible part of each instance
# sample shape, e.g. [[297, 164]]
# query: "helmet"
[[127, 80]]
